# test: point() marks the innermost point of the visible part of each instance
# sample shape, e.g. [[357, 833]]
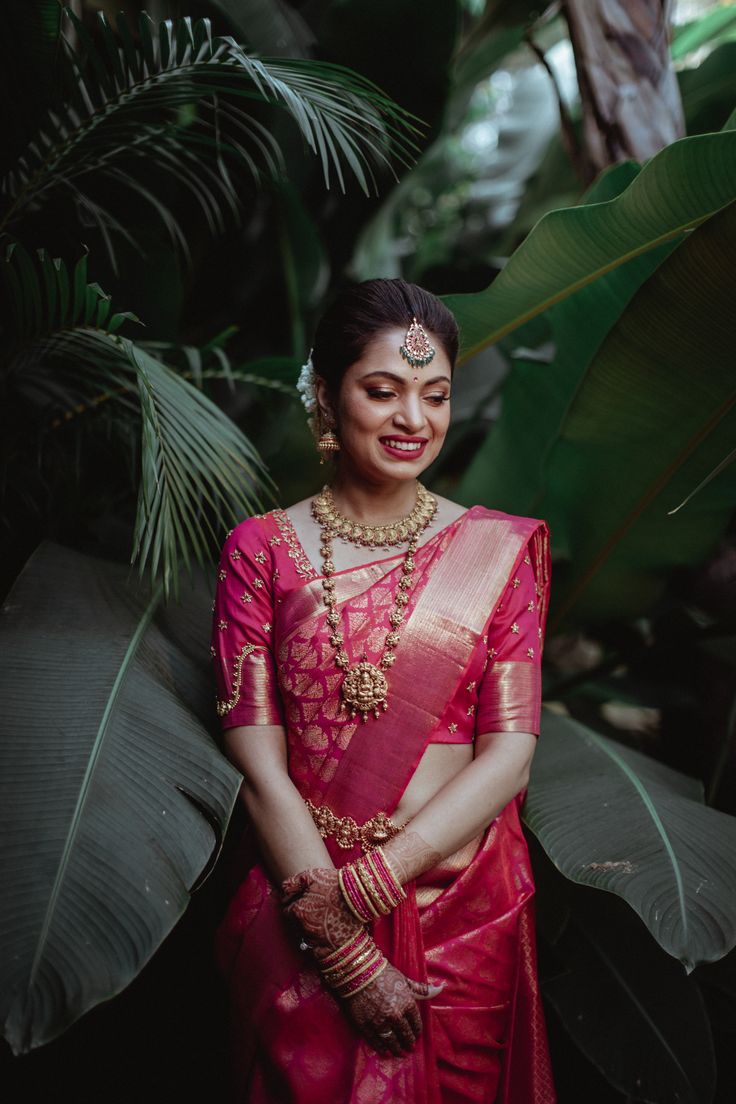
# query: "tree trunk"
[[630, 97]]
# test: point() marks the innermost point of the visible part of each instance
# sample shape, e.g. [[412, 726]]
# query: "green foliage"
[[197, 470], [613, 819], [684, 184], [628, 1006], [115, 754]]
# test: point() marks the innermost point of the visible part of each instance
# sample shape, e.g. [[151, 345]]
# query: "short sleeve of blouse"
[[242, 628], [510, 692]]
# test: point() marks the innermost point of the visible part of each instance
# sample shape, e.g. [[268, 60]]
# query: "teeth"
[[406, 446]]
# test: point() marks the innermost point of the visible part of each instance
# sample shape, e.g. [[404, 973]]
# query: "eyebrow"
[[401, 380]]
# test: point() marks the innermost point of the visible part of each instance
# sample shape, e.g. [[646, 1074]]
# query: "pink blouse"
[[262, 560]]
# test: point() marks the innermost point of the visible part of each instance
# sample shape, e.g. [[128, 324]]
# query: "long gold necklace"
[[365, 686]]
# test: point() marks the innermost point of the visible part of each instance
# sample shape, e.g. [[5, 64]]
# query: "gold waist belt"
[[379, 829]]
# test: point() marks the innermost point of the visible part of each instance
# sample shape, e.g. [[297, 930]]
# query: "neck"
[[374, 503]]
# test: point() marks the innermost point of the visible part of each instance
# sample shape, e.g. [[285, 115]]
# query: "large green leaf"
[[709, 91], [113, 793], [538, 391], [653, 417], [611, 818], [709, 28], [630, 1008], [686, 183]]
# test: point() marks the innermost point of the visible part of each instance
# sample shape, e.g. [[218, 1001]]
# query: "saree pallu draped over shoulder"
[[468, 923]]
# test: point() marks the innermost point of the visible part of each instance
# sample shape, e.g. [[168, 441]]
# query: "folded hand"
[[313, 898], [386, 1011]]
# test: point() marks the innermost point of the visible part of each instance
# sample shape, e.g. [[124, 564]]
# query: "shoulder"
[[250, 536], [515, 523]]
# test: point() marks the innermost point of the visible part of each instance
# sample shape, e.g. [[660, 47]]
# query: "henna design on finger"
[[320, 908], [384, 1003]]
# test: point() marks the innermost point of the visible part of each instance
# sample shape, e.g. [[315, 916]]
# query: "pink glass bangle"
[[390, 879], [363, 981], [340, 953], [355, 895]]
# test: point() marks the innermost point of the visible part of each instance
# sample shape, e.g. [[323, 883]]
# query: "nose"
[[410, 415]]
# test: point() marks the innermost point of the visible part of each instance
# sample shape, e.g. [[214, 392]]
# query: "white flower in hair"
[[305, 386]]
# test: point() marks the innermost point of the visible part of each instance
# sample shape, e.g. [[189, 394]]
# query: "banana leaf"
[[628, 1006], [686, 183], [114, 795], [616, 820], [654, 416], [538, 392]]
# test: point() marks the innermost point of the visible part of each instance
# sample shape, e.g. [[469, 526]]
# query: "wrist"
[[369, 887], [349, 968]]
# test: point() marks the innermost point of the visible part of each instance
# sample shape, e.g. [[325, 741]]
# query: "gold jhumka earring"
[[327, 445], [328, 442]]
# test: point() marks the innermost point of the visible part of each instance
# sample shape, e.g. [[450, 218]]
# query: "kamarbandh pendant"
[[364, 689]]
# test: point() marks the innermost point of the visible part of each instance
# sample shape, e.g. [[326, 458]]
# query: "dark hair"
[[365, 310]]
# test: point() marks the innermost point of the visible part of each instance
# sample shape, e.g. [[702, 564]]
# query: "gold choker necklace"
[[325, 512], [365, 686]]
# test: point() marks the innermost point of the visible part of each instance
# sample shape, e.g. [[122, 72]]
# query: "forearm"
[[464, 806], [288, 837]]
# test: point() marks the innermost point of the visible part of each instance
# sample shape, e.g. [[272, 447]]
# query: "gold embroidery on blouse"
[[235, 555], [274, 541], [516, 583], [260, 557], [245, 597], [224, 707], [258, 583], [222, 575], [470, 687], [527, 560], [267, 627], [471, 710], [492, 652], [213, 653], [530, 607], [222, 625], [539, 632], [302, 564], [514, 627], [530, 653], [452, 727]]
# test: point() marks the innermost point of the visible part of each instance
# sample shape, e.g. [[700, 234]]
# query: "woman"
[[377, 653]]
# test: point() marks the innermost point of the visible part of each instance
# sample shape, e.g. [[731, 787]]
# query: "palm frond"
[[128, 101], [199, 474]]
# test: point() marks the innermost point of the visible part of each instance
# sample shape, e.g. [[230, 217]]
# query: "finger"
[[415, 1020], [294, 884], [424, 990], [404, 1034], [387, 1041]]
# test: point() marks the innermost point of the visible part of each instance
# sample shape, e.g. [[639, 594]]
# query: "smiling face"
[[391, 418]]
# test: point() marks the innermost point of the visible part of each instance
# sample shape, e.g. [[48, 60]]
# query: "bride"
[[377, 655]]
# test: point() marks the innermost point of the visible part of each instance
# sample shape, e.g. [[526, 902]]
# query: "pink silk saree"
[[467, 923]]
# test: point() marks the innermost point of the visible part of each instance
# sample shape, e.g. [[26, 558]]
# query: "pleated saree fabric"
[[468, 661]]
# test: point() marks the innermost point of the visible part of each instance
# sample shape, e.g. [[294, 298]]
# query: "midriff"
[[439, 764]]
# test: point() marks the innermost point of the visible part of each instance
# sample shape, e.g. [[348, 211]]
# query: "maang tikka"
[[417, 348]]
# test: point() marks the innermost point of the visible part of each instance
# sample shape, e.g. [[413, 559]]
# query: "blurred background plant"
[[597, 390]]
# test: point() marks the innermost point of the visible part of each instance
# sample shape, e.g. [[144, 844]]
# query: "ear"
[[323, 401]]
